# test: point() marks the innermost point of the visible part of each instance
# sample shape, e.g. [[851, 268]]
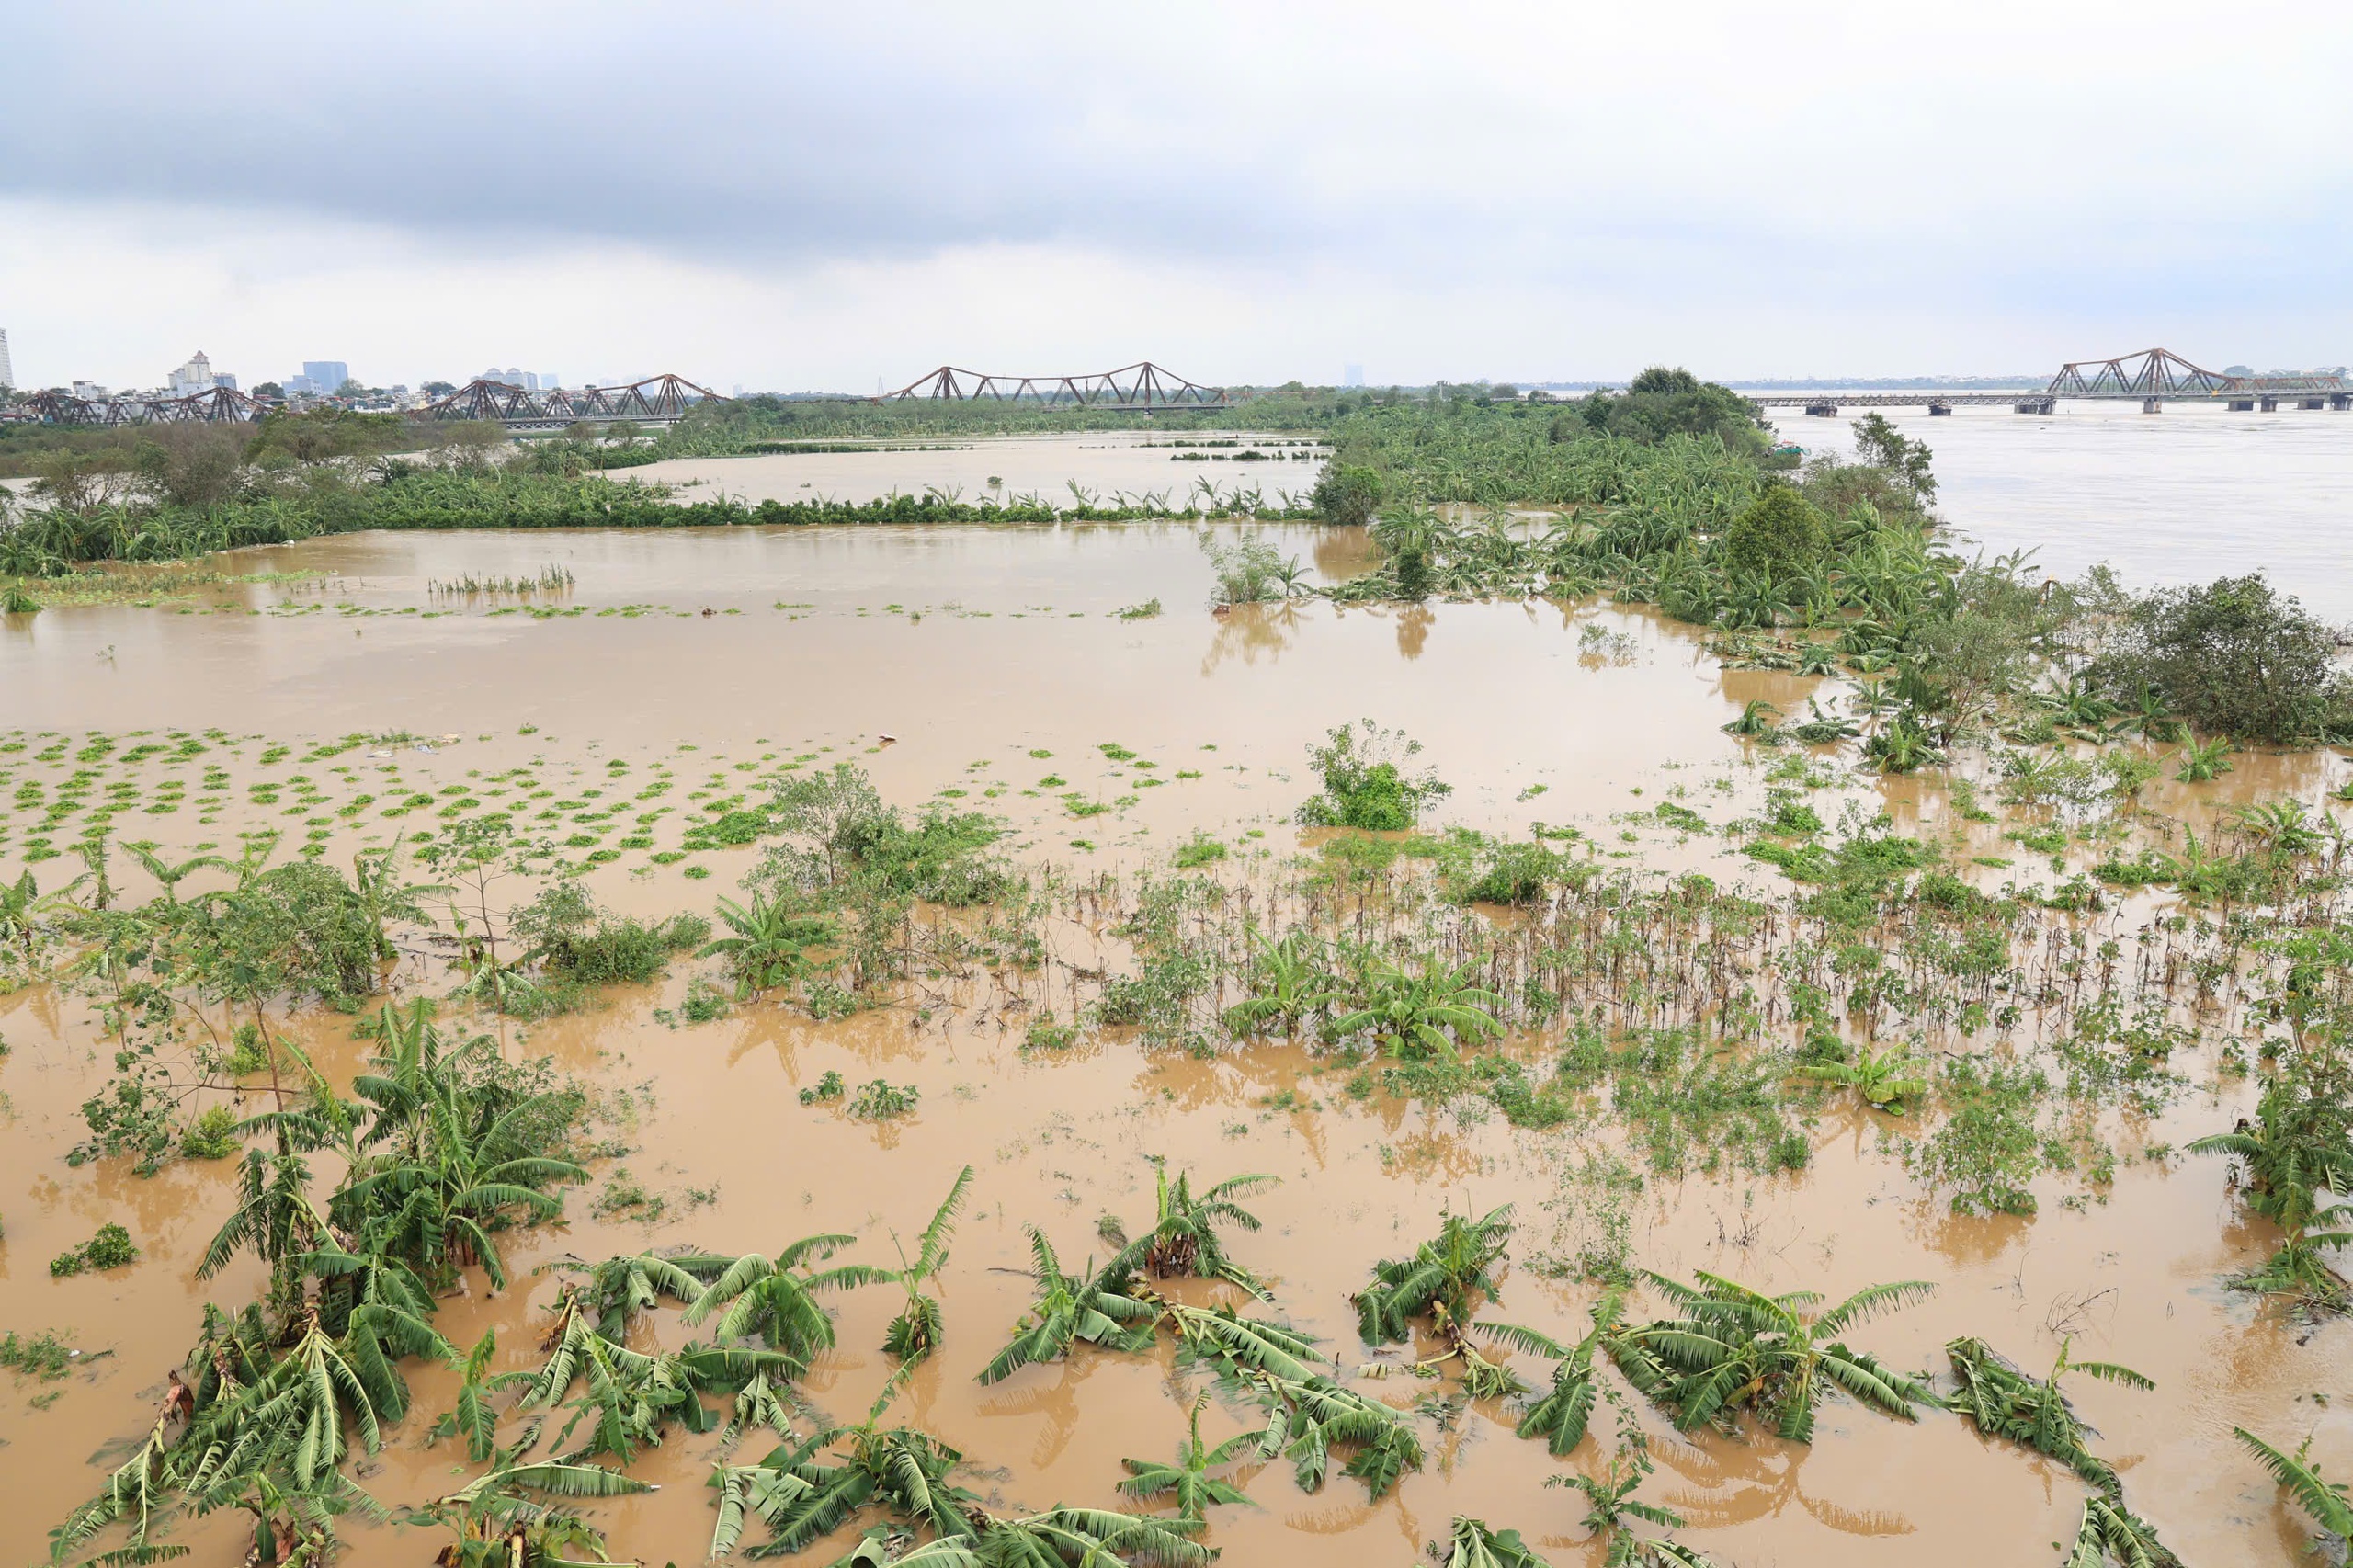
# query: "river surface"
[[2187, 495], [990, 668]]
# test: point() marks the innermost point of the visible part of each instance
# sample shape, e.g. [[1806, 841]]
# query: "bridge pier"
[[2269, 405], [1938, 410], [2340, 402], [2153, 406], [2241, 406], [2311, 402], [1823, 410], [2038, 405]]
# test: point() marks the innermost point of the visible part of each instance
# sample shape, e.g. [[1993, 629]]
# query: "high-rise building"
[[194, 377], [326, 375], [8, 370], [549, 381], [1352, 376]]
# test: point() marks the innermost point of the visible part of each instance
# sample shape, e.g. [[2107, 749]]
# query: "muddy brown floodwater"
[[1104, 463], [975, 650]]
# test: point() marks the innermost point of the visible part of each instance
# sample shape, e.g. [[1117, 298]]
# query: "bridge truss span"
[[657, 400], [2153, 377], [1143, 388], [221, 405]]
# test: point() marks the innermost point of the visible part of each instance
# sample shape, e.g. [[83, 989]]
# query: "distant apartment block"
[[529, 381], [192, 378], [325, 375], [8, 370]]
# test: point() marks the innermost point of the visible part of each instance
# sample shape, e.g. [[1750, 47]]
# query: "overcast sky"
[[822, 197]]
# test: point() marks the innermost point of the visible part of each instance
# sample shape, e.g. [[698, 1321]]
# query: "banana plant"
[[1188, 1482], [1444, 1272], [776, 1298], [436, 1201], [1414, 1016], [1185, 1239], [1562, 1415], [1611, 1503], [381, 1309], [769, 941], [2201, 762], [1471, 1544], [803, 1497], [2003, 1401], [1309, 1418], [1095, 1307], [1884, 1080], [630, 1396], [914, 1333], [168, 875], [2108, 1534], [499, 1525], [471, 1418], [621, 1291], [2323, 1500], [1733, 1347], [1290, 981]]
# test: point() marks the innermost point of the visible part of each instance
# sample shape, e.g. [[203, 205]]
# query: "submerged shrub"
[[576, 941], [2233, 658], [110, 1248], [1365, 781], [1477, 869]]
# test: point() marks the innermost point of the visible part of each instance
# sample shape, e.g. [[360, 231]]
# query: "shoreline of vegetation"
[[1669, 494]]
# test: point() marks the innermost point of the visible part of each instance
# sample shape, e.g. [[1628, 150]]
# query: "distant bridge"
[[657, 400], [2153, 376], [1139, 388], [219, 407]]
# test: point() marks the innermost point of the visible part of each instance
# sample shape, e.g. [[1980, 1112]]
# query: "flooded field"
[[643, 694], [1104, 465]]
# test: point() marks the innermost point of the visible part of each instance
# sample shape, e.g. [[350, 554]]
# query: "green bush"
[[210, 1136], [1781, 533], [2233, 658], [1662, 403], [1365, 784], [1347, 493], [110, 1248], [880, 1101], [1199, 850]]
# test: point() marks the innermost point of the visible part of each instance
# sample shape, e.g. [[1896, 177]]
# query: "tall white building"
[[8, 370], [194, 377]]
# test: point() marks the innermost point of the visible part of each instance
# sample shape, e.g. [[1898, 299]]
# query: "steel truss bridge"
[[1141, 388], [221, 405], [2153, 377], [657, 400]]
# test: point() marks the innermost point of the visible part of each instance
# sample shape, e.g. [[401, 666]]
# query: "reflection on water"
[[1249, 632]]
